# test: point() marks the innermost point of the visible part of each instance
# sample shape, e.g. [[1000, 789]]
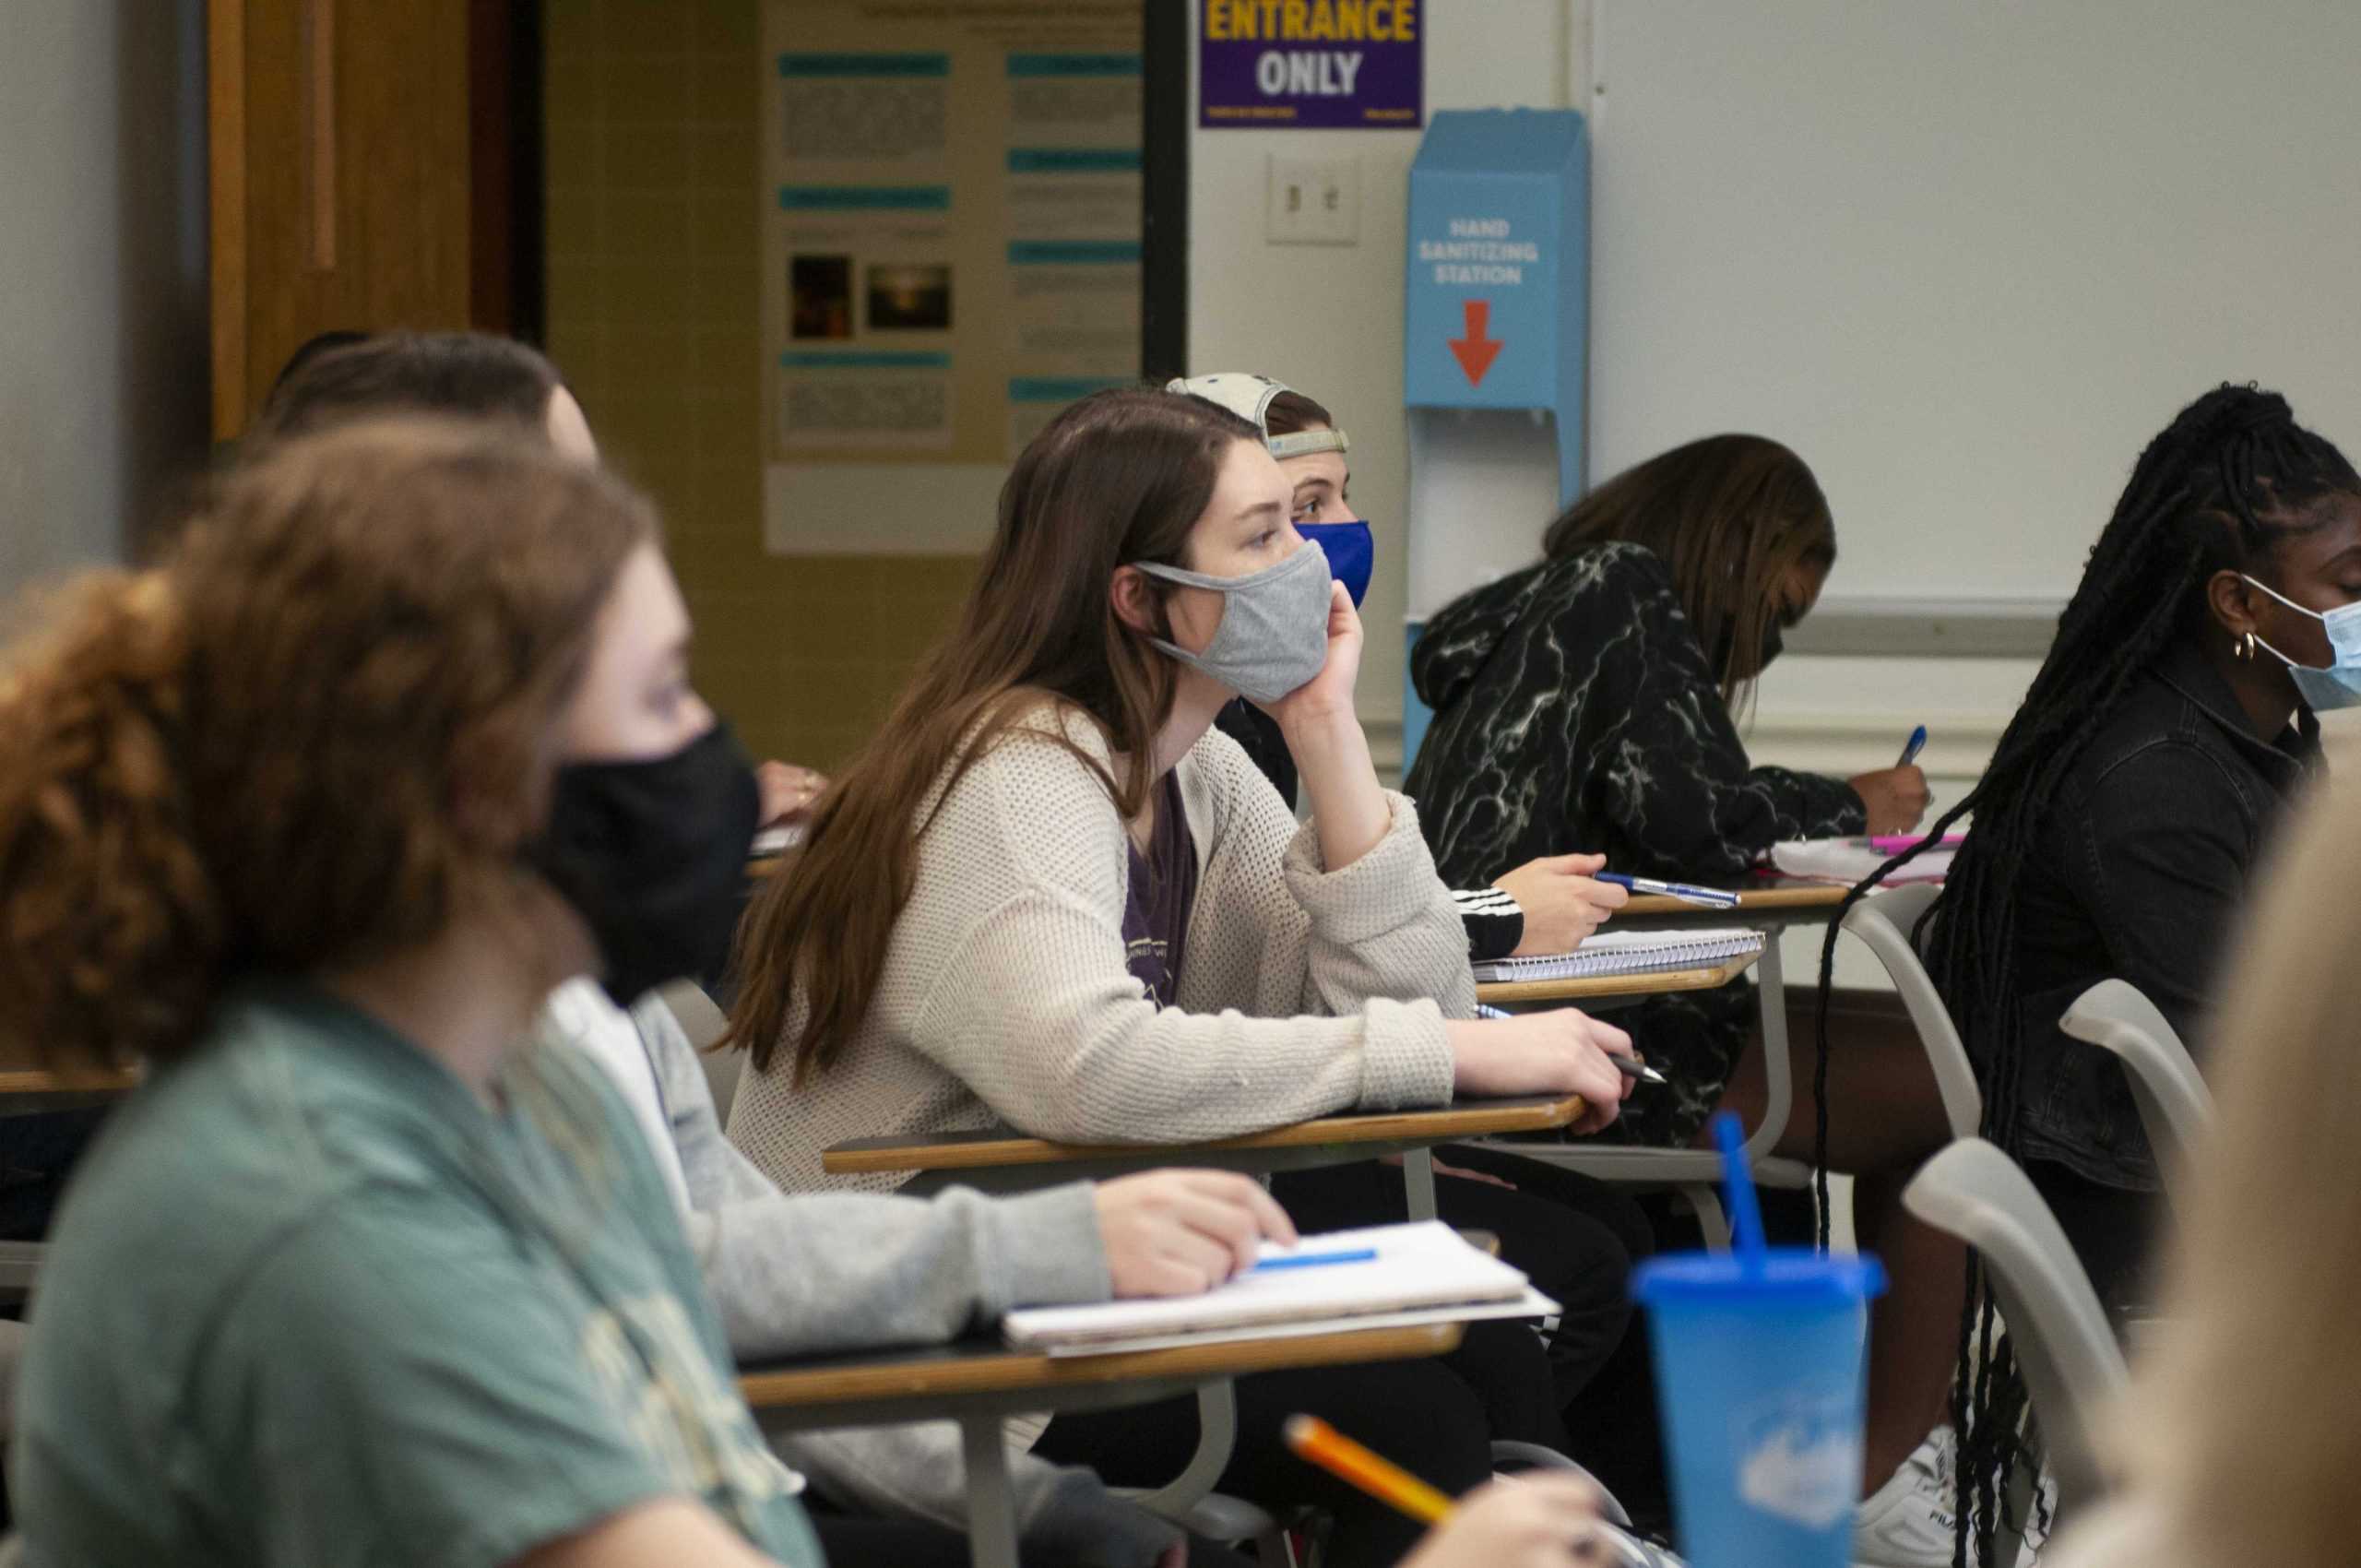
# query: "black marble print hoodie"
[[1574, 710]]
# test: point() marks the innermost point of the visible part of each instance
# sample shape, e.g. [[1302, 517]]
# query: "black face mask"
[[653, 855], [1774, 644]]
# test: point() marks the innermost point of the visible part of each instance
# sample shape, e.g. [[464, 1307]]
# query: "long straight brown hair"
[[1731, 516], [1119, 477]]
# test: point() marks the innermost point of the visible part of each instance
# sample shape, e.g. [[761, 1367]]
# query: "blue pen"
[[1912, 747], [1315, 1260], [1712, 898]]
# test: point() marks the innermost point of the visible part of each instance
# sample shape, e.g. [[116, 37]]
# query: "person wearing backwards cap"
[[1544, 906], [1547, 905]]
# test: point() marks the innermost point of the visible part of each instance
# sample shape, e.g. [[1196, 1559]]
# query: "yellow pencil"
[[1313, 1439]]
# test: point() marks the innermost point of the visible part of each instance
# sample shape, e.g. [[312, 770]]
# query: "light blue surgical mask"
[[2338, 685]]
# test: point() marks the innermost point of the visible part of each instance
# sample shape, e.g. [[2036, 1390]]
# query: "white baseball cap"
[[1249, 396]]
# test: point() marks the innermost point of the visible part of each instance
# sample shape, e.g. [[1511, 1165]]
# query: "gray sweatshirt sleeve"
[[836, 1271], [840, 1271]]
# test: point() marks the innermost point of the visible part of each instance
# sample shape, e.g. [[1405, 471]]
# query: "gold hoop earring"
[[2244, 647]]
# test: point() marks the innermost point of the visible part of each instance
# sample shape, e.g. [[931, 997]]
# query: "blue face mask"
[[1351, 553], [2339, 685]]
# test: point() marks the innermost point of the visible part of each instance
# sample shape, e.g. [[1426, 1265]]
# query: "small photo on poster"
[[905, 298], [819, 292]]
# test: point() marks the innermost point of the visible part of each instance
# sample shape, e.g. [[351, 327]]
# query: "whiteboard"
[[1967, 258]]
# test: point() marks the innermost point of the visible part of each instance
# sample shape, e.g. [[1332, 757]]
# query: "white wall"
[[1328, 319], [104, 319], [1966, 258]]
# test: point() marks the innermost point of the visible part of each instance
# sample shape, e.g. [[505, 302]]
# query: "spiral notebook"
[[1382, 1276], [1629, 953]]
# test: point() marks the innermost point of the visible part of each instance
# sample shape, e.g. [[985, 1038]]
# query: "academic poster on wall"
[[951, 220]]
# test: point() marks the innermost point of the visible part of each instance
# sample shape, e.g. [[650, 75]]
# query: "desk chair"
[[1884, 922], [2176, 1106], [1696, 1174], [2072, 1365]]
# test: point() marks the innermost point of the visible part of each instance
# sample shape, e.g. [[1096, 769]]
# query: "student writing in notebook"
[[2128, 806], [822, 1272], [1050, 895], [1586, 702]]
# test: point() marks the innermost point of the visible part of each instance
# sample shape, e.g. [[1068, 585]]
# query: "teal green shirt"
[[312, 1304]]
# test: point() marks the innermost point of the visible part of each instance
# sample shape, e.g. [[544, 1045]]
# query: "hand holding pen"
[[1895, 797], [1705, 898], [1630, 1066]]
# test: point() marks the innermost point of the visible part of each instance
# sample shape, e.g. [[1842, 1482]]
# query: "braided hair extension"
[[2230, 476]]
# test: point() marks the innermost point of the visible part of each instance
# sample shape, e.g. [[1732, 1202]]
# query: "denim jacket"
[[2141, 870]]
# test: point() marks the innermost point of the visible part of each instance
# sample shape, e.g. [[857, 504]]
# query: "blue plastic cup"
[[1759, 1372]]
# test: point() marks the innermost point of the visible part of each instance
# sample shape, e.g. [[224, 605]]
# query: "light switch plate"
[[1314, 201]]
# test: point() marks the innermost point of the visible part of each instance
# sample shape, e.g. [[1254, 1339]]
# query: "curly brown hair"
[[316, 731]]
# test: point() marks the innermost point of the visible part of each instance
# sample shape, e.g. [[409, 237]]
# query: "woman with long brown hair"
[[1586, 703], [1048, 894]]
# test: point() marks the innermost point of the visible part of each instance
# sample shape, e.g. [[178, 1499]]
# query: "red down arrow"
[[1475, 352]]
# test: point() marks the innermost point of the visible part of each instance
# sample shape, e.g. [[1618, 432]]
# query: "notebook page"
[[1419, 1264], [1629, 952], [1849, 859]]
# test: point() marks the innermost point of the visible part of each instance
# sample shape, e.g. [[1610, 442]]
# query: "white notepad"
[[1849, 859], [1629, 953], [776, 840], [1422, 1271]]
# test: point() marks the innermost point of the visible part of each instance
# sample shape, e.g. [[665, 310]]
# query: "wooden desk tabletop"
[[977, 1368], [994, 1146], [1755, 897], [1600, 988], [39, 1082]]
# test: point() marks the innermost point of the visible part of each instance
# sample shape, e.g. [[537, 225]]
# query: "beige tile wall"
[[654, 305]]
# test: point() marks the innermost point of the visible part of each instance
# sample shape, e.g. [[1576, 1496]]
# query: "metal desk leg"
[[1778, 1086], [1216, 1441], [992, 1504], [1418, 1182]]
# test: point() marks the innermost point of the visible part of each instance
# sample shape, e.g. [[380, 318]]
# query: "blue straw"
[[1737, 1183]]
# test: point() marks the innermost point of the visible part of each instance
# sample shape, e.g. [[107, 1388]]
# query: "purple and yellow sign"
[[1276, 65]]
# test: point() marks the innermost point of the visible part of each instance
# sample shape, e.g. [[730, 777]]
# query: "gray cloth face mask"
[[1274, 633]]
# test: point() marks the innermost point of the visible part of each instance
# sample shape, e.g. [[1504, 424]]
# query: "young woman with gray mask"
[[1050, 894]]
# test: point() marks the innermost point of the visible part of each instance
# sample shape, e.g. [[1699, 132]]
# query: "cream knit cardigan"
[[1005, 999]]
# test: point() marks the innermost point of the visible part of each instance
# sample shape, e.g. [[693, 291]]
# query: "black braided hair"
[[2230, 476]]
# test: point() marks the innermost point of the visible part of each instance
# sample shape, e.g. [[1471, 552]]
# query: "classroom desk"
[[980, 1384], [1769, 905], [24, 1089], [995, 1159], [1763, 900], [1615, 987]]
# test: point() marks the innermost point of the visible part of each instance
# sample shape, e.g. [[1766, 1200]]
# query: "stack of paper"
[[1629, 953], [775, 841], [1417, 1273], [1849, 859]]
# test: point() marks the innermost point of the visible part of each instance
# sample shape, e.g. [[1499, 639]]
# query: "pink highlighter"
[[1895, 843]]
